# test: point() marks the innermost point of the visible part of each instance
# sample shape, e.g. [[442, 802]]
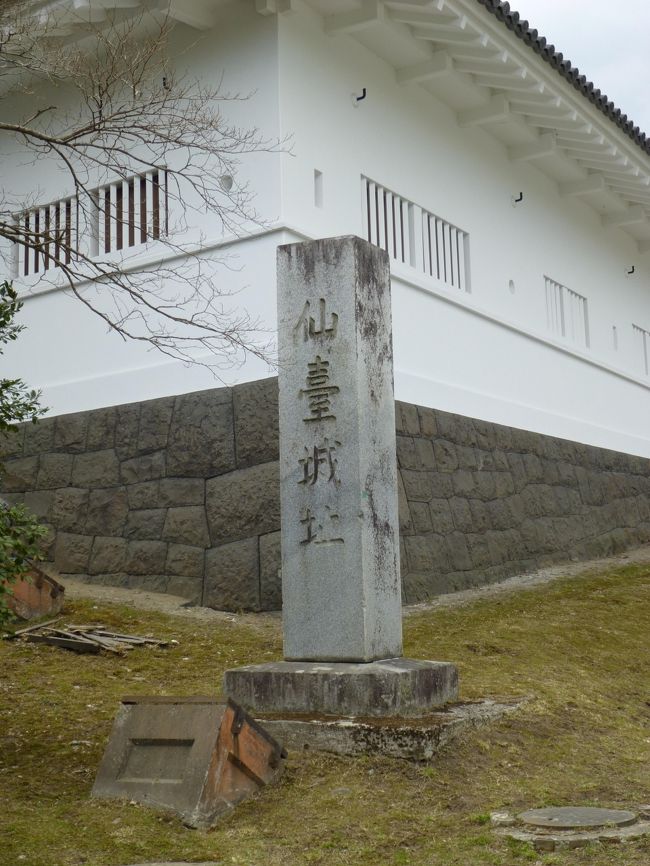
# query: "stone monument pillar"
[[338, 472], [340, 532]]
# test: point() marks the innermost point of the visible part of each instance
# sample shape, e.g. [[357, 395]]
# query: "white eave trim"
[[513, 85]]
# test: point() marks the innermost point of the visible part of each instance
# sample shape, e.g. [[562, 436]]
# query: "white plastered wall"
[[69, 352], [487, 353]]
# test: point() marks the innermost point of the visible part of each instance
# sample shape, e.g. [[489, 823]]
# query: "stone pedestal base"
[[414, 739], [393, 687]]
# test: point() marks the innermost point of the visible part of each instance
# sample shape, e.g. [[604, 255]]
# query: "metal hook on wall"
[[628, 273], [357, 98]]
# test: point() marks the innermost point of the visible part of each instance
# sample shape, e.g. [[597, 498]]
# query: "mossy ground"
[[579, 647]]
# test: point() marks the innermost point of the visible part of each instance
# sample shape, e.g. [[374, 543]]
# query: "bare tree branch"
[[136, 119]]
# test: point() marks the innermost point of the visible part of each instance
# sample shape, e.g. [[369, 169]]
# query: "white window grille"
[[122, 214], [567, 314], [642, 342], [414, 236], [50, 235]]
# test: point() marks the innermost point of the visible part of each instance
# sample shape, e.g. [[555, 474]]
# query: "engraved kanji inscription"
[[308, 522], [319, 391], [321, 532], [317, 327], [320, 462]]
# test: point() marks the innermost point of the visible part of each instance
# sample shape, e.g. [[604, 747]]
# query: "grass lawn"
[[580, 648]]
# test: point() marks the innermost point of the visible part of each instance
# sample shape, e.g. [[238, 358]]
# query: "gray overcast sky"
[[608, 41]]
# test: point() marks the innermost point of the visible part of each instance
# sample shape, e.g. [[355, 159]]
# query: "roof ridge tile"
[[502, 11]]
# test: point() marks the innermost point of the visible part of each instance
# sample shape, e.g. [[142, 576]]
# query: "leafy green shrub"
[[17, 402], [20, 532], [20, 537]]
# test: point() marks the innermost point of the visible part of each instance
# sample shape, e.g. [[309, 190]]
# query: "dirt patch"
[[530, 580]]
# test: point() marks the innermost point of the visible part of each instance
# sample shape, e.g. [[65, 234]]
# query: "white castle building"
[[513, 200]]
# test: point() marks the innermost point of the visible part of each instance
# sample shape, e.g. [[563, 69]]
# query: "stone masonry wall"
[[480, 502], [178, 495], [181, 495]]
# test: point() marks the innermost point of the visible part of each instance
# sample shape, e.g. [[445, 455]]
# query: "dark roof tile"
[[521, 29]]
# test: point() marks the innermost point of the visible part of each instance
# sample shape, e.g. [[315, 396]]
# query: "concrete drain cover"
[[573, 826], [577, 818]]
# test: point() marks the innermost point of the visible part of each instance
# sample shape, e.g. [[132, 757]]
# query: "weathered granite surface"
[[393, 687], [338, 475], [412, 739], [154, 494], [477, 501]]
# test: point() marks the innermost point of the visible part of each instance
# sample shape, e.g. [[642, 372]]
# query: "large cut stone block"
[[201, 438], [127, 424], [54, 470], [107, 511], [155, 418], [144, 494], [232, 576], [185, 560], [395, 687], [256, 422], [190, 588], [338, 474], [107, 556], [146, 468], [146, 524], [72, 552], [181, 491], [40, 503], [69, 509], [243, 503], [187, 525], [146, 557], [101, 429], [96, 469], [270, 575], [20, 475], [70, 432], [12, 443]]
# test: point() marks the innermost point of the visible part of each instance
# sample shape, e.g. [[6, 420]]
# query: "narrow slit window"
[[26, 250], [57, 233], [123, 214], [107, 219], [131, 216], [414, 236], [567, 313], [46, 238], [68, 231], [119, 215], [143, 209], [318, 188], [134, 211], [642, 341], [37, 238], [155, 206]]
